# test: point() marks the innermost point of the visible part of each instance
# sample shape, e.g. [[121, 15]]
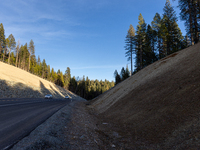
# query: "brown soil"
[[158, 106]]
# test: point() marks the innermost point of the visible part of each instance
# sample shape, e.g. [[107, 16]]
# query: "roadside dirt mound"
[[160, 104], [17, 83]]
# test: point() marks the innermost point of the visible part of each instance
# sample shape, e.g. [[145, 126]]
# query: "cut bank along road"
[[18, 117]]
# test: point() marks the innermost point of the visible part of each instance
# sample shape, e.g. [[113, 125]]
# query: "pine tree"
[[60, 79], [190, 13], [12, 59], [127, 73], [44, 69], [10, 42], [23, 57], [171, 34], [2, 41], [140, 42], [130, 45], [149, 53], [17, 52], [123, 74], [48, 73], [33, 64], [31, 50], [73, 84], [117, 77], [67, 77], [156, 26]]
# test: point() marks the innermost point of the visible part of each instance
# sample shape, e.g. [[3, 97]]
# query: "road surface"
[[18, 117]]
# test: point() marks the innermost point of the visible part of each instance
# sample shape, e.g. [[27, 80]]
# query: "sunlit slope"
[[15, 77], [159, 100]]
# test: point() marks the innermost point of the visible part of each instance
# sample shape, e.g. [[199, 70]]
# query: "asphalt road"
[[18, 117]]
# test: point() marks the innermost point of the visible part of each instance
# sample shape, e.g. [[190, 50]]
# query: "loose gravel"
[[72, 127]]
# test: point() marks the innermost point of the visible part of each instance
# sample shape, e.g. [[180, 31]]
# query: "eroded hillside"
[[159, 104]]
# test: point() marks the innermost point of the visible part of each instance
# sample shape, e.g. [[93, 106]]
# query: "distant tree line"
[[163, 37], [89, 89], [23, 56]]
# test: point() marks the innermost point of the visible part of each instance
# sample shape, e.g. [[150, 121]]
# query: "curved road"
[[18, 117]]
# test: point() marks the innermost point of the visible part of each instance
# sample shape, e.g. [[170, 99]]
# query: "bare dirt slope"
[[159, 106], [15, 82]]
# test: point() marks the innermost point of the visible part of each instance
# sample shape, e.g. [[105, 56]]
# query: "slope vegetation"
[[160, 104], [17, 83]]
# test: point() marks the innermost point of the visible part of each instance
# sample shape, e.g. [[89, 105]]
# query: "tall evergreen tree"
[[17, 52], [149, 51], [73, 84], [156, 26], [60, 79], [33, 64], [130, 45], [23, 57], [140, 42], [123, 73], [10, 41], [67, 77], [117, 77], [127, 73], [48, 73], [31, 50], [44, 69], [53, 75], [190, 13], [12, 59], [2, 41], [171, 34]]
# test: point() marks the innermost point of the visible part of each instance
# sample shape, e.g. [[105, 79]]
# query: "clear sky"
[[86, 35]]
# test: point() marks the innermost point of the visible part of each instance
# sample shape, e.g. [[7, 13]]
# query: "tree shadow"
[[11, 89], [43, 89]]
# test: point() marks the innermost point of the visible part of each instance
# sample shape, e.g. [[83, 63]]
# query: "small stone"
[[113, 145]]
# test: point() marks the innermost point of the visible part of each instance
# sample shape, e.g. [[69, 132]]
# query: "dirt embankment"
[[17, 83], [158, 107]]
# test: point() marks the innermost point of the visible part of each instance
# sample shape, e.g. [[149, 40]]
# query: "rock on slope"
[[160, 104], [17, 83]]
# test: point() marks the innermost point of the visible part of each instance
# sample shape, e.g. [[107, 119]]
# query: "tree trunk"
[[131, 59], [16, 59], [9, 58], [29, 62], [190, 14], [0, 51], [141, 52], [19, 65], [195, 23], [3, 55]]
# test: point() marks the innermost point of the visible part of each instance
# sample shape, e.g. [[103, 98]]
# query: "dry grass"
[[159, 103], [17, 75]]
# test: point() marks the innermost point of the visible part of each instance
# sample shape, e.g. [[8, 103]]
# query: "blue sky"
[[86, 35]]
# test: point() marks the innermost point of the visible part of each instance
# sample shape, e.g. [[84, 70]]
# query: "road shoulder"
[[72, 127]]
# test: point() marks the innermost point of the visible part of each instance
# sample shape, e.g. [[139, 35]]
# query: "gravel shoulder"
[[77, 127], [72, 127]]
